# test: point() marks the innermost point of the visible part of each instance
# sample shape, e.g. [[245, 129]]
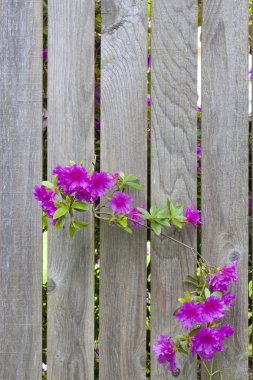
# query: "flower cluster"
[[75, 189], [201, 316]]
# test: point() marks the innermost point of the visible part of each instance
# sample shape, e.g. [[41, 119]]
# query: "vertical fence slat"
[[225, 159], [71, 136], [123, 147], [20, 222], [173, 158]]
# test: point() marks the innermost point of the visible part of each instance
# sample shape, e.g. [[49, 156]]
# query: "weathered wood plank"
[[173, 159], [123, 146], [21, 164], [225, 158], [71, 136]]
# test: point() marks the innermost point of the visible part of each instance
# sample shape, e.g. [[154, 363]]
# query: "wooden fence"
[[123, 146]]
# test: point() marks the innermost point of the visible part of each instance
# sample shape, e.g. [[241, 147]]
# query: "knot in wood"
[[234, 255], [51, 285], [176, 373]]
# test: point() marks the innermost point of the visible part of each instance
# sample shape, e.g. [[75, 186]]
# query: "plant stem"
[[193, 251]]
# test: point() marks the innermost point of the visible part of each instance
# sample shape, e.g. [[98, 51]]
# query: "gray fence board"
[[71, 136], [173, 159], [20, 216], [225, 159], [123, 147]]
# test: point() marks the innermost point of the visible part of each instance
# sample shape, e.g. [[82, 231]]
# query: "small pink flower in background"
[[250, 74], [208, 341], [114, 179], [45, 53], [220, 281], [189, 315], [149, 61], [165, 352], [135, 215], [148, 101], [120, 203], [192, 216], [212, 309], [199, 152]]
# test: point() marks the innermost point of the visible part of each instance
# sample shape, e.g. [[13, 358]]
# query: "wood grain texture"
[[123, 147], [20, 215], [173, 160], [225, 159], [71, 136]]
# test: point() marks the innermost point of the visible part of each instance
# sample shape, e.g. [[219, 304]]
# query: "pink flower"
[[189, 314], [228, 299], [207, 341], [72, 178], [120, 203], [199, 151], [212, 309], [192, 216], [135, 215], [165, 352], [219, 282], [45, 53], [148, 101], [114, 179], [46, 197]]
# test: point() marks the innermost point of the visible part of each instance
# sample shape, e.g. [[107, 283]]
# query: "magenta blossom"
[[192, 216], [114, 179], [189, 314], [149, 61], [228, 299], [72, 178], [148, 101], [212, 309], [46, 197], [220, 282], [165, 352], [135, 215], [45, 53], [199, 151], [208, 341], [99, 183], [120, 203]]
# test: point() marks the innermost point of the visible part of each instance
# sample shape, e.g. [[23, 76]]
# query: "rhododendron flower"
[[135, 214], [148, 101], [192, 216], [45, 53], [212, 309], [219, 282], [199, 152], [72, 178], [46, 197], [165, 352], [189, 314], [207, 341], [114, 179], [120, 203], [99, 183], [228, 299]]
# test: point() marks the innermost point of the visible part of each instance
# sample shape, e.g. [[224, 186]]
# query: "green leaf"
[[194, 331], [176, 223], [207, 293], [188, 296], [156, 227], [71, 162], [60, 212], [191, 280], [153, 210], [145, 214], [81, 224], [135, 185], [123, 222], [72, 230], [55, 179], [80, 206], [217, 294], [131, 178], [60, 223], [48, 185], [181, 300], [163, 222], [69, 201], [58, 204], [182, 350]]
